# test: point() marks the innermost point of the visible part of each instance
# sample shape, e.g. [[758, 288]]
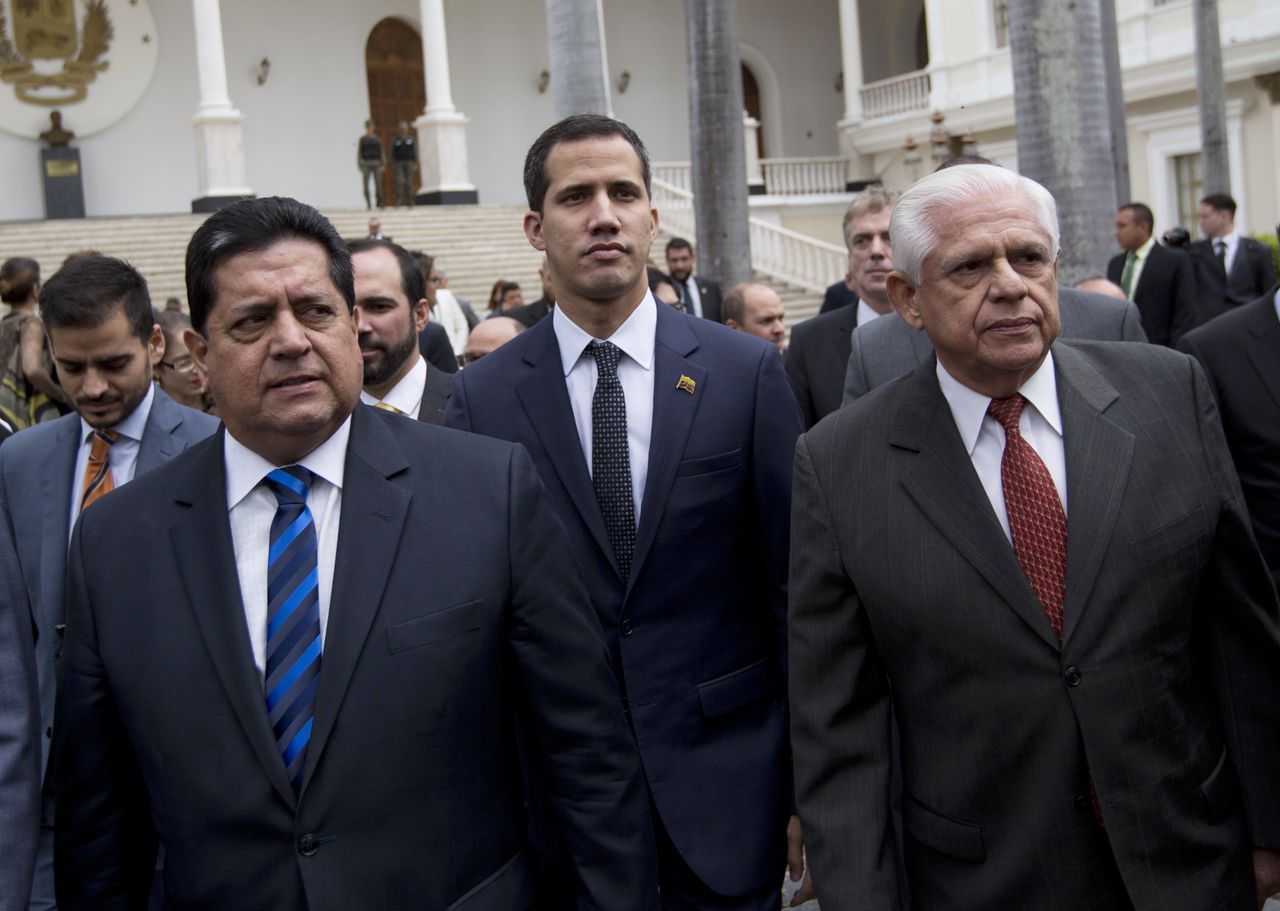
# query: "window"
[[1188, 179], [1000, 19]]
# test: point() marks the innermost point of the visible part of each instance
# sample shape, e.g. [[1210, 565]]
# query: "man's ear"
[[155, 345], [198, 347], [731, 324], [902, 294], [533, 231], [421, 314]]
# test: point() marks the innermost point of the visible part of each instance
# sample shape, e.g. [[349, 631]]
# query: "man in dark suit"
[[434, 345], [105, 342], [1231, 270], [889, 347], [528, 314], [666, 443], [1159, 279], [818, 355], [1239, 352], [1088, 706], [310, 693], [391, 309], [19, 733], [700, 296]]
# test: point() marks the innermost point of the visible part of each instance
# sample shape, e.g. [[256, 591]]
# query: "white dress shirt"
[[983, 436], [865, 314], [693, 294], [636, 339], [252, 507], [406, 395], [122, 456]]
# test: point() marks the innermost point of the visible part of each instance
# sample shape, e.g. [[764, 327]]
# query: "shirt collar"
[[865, 313], [130, 428], [969, 407], [1141, 252], [406, 395], [246, 469], [635, 336]]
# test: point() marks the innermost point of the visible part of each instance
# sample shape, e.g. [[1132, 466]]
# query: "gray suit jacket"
[[435, 395], [19, 735], [37, 467], [1164, 691], [887, 348]]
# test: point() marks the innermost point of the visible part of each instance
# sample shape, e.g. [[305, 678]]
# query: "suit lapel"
[[943, 483], [56, 496], [373, 515], [206, 562], [673, 411], [1098, 455], [159, 441], [1262, 345], [545, 399]]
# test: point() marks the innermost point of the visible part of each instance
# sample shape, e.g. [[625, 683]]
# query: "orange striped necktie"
[[383, 406], [97, 476]]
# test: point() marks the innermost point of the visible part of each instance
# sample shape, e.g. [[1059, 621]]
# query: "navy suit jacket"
[[697, 634], [455, 614], [37, 468]]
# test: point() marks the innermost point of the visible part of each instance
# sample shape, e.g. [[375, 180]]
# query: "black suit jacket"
[[455, 612], [1241, 353], [1166, 294], [435, 396], [697, 634], [1253, 271], [817, 359], [434, 345], [709, 294], [530, 313], [1163, 693]]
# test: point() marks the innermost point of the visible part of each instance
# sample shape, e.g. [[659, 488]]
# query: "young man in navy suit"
[[666, 442]]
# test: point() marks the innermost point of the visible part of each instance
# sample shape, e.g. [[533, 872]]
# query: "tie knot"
[[100, 441], [607, 355], [290, 484], [1007, 411], [1220, 246]]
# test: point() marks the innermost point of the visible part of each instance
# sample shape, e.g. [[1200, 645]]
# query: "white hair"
[[915, 226]]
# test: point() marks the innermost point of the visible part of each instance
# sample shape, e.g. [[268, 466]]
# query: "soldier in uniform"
[[404, 153], [371, 159]]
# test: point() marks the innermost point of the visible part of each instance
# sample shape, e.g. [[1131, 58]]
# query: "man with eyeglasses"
[[106, 344]]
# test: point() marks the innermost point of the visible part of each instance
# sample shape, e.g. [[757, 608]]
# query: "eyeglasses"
[[467, 357], [181, 365]]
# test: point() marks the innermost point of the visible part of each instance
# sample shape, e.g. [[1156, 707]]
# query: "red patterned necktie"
[[1036, 519]]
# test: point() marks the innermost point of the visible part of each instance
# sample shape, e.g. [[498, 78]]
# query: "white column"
[[220, 164], [935, 28], [858, 168], [755, 173], [442, 128]]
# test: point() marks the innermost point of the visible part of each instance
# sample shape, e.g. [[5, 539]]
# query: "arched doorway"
[[751, 102], [397, 87]]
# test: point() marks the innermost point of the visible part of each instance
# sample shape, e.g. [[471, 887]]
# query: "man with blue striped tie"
[[313, 690]]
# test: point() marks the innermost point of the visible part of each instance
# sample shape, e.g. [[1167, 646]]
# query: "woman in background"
[[177, 372], [28, 392]]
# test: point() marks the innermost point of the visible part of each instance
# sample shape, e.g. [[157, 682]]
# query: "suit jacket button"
[[627, 628], [1082, 803], [1073, 676], [308, 845]]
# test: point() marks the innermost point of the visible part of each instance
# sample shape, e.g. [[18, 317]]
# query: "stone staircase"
[[475, 245]]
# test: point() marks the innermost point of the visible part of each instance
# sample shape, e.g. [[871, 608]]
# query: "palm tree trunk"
[[1062, 124], [575, 43], [1213, 98], [1115, 100], [716, 139]]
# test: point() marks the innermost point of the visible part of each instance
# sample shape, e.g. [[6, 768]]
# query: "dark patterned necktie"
[[1220, 250], [610, 460], [293, 618], [1036, 518]]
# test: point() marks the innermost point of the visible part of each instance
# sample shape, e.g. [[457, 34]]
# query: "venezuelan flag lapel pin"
[[686, 384]]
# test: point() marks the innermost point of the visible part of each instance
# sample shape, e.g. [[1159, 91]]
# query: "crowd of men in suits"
[[967, 601]]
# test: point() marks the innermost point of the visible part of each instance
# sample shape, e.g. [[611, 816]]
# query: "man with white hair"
[[1033, 557]]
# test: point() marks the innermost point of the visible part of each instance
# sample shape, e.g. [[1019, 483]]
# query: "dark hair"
[[678, 243], [1219, 201], [573, 128], [658, 277], [1142, 213], [251, 225], [413, 281], [88, 290], [19, 277], [1177, 236]]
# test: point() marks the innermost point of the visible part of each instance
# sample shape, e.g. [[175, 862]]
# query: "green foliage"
[[1272, 241]]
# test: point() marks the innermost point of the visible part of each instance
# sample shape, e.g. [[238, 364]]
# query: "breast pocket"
[[437, 626], [1169, 539], [707, 465]]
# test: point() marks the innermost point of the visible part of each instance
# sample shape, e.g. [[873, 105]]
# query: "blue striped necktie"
[[293, 618]]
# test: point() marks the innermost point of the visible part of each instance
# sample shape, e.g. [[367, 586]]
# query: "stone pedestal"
[[442, 156], [63, 185], [219, 161]]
